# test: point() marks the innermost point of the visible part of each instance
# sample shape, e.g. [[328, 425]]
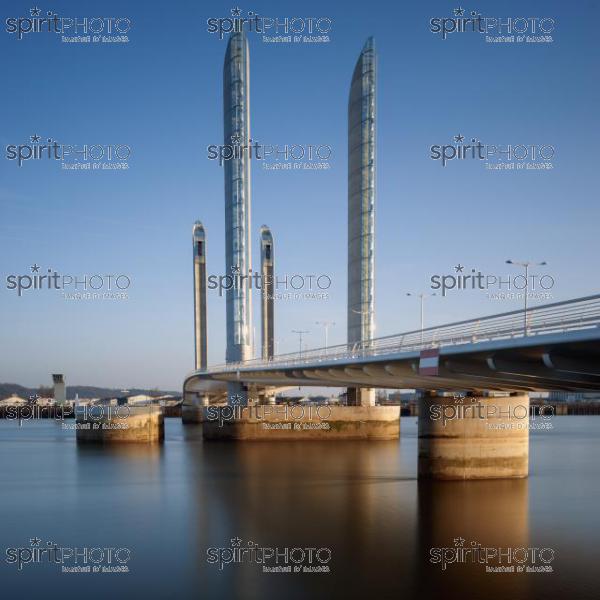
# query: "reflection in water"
[[491, 513], [170, 503], [127, 453], [341, 496]]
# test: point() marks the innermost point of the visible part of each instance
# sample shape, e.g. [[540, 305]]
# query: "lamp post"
[[325, 325], [300, 333], [422, 297], [526, 264]]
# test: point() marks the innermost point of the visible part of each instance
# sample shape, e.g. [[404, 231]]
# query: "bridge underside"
[[543, 363]]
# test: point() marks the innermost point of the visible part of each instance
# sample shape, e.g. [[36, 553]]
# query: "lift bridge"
[[548, 347]]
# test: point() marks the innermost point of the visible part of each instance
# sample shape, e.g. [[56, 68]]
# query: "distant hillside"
[[84, 391]]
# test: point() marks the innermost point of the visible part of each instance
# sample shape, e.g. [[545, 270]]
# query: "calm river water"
[[172, 507]]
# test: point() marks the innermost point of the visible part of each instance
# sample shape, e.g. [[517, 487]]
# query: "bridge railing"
[[570, 315]]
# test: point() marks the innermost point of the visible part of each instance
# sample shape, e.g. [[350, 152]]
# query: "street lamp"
[[300, 334], [325, 325], [526, 264], [422, 297]]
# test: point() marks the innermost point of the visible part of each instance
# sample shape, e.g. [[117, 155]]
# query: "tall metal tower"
[[200, 332], [236, 127], [361, 207], [267, 303]]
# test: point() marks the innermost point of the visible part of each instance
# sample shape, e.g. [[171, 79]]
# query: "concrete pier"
[[474, 437], [361, 396], [116, 424], [192, 410], [299, 422]]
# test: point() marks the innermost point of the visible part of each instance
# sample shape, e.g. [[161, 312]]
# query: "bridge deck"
[[557, 346]]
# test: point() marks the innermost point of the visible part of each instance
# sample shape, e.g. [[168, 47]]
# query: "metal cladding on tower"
[[236, 126], [361, 196], [200, 331], [267, 304]]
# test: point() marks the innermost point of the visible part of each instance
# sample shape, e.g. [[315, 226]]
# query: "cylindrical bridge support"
[[474, 437]]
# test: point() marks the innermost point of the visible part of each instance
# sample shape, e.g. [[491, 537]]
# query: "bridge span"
[[551, 347]]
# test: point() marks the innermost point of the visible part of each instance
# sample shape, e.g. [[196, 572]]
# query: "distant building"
[[60, 389], [290, 399], [86, 401], [573, 396], [13, 400], [399, 398], [319, 399], [45, 401], [145, 399], [139, 399]]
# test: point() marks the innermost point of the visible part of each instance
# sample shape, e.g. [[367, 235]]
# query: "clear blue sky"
[[162, 95]]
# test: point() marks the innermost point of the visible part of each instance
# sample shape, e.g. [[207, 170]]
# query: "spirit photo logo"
[[51, 22], [71, 559], [61, 412], [254, 279], [476, 280], [495, 559], [520, 29], [298, 29], [100, 286], [520, 156], [515, 416], [287, 416], [94, 156], [273, 560], [293, 156]]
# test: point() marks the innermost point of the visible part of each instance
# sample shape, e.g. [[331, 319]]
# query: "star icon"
[[459, 541], [35, 138], [236, 12], [235, 542], [235, 269], [35, 268], [459, 12], [35, 541], [35, 12], [236, 399], [459, 138], [236, 138], [459, 268]]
